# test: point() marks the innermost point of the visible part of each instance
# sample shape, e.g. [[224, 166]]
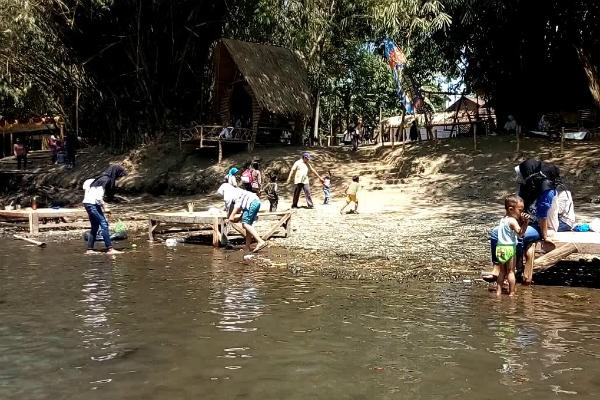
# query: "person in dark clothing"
[[71, 145], [414, 131], [20, 153], [537, 186]]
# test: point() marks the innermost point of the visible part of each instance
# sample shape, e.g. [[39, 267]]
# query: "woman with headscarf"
[[95, 191], [538, 183], [230, 177]]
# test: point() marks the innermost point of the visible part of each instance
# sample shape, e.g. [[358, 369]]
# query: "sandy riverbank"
[[425, 209]]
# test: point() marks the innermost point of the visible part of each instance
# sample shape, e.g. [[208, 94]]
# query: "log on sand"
[[33, 241], [551, 258]]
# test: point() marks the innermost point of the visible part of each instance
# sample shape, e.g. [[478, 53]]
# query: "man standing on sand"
[[300, 171]]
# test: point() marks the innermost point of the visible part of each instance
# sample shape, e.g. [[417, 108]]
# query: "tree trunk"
[[591, 73], [317, 115]]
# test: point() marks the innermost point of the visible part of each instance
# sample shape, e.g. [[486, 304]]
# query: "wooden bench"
[[35, 216], [218, 223], [563, 244]]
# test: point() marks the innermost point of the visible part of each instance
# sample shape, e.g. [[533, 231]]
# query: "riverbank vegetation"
[[123, 73]]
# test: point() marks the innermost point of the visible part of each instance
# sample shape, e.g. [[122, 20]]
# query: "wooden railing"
[[215, 134]]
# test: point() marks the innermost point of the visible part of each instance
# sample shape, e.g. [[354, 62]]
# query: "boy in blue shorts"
[[248, 204], [512, 226]]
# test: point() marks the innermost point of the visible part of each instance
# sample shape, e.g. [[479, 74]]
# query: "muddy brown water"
[[193, 322]]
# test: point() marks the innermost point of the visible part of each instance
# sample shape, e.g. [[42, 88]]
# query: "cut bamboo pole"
[[32, 241]]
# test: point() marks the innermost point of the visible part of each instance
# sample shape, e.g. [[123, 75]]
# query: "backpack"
[[247, 176]]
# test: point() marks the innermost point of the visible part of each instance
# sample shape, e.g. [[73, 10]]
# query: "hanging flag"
[[397, 60]]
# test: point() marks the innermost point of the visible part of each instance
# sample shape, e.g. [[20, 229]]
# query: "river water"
[[193, 322]]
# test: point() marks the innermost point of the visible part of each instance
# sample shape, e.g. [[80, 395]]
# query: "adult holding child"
[[549, 204], [300, 171]]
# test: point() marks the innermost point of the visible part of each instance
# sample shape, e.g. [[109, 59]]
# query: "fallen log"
[[552, 257], [33, 241]]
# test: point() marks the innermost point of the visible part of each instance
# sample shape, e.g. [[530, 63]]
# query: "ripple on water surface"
[[159, 323]]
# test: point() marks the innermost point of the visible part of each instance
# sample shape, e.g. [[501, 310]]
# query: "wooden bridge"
[[209, 135]]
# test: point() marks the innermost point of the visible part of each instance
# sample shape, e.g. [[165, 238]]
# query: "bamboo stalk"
[[32, 241]]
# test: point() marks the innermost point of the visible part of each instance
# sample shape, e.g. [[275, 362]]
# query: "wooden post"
[[518, 133], [381, 124], [216, 236], [288, 226], [475, 136], [34, 223], [201, 136], [402, 131], [77, 112], [562, 140], [151, 227], [220, 151]]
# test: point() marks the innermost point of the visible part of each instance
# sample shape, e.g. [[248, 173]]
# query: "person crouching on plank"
[[93, 202], [512, 226], [249, 204]]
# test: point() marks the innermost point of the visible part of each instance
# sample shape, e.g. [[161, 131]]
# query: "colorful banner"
[[397, 60]]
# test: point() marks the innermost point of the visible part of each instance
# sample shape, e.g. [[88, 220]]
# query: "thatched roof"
[[276, 75], [466, 103]]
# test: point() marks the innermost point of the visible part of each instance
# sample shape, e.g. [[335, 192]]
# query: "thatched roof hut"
[[253, 79], [466, 104]]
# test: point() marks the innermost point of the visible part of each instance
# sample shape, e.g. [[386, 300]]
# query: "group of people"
[[241, 200], [67, 146], [542, 206], [354, 135]]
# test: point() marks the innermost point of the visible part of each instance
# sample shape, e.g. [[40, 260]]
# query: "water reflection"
[[235, 297], [98, 336]]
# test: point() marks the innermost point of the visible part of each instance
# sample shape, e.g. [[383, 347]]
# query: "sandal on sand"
[[489, 277], [260, 247]]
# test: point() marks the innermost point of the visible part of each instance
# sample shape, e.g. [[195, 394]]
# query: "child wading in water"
[[326, 186], [350, 192], [511, 226]]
